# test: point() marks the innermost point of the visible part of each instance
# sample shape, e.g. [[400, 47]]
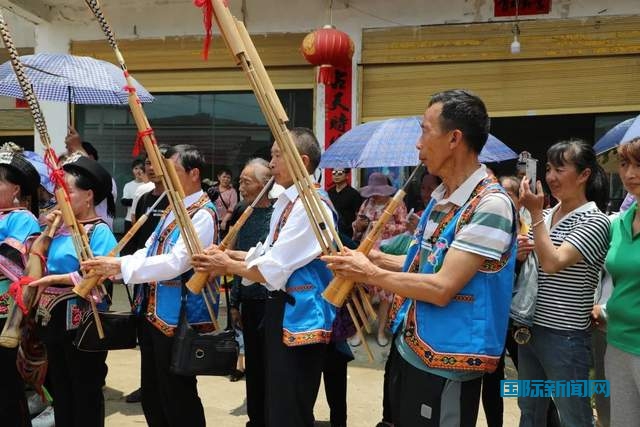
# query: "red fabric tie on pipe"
[[207, 18], [139, 145], [15, 290], [56, 173]]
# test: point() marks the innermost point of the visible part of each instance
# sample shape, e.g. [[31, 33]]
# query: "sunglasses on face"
[[337, 173]]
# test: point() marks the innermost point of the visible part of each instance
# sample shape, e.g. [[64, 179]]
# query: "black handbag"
[[212, 353], [120, 330]]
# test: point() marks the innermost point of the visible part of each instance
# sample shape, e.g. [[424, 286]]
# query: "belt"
[[280, 294]]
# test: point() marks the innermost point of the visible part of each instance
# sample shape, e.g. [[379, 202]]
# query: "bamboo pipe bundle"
[[11, 333], [163, 168], [239, 43], [245, 54]]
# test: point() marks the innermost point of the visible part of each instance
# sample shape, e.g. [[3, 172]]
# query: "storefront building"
[[577, 73]]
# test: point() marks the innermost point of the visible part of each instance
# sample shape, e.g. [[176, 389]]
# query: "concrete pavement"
[[224, 400], [224, 403]]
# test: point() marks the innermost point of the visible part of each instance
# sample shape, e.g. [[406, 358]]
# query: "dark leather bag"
[[120, 330], [195, 353]]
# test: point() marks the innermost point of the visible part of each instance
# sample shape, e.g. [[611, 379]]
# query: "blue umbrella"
[[614, 136], [392, 143], [605, 148], [71, 79]]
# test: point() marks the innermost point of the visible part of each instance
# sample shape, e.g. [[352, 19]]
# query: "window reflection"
[[229, 128]]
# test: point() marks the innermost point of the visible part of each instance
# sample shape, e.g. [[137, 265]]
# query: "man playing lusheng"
[[168, 399], [297, 320], [454, 286]]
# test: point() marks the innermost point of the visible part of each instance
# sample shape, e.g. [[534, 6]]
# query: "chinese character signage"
[[525, 7], [337, 110]]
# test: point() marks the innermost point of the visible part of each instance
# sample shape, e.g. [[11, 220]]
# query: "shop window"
[[228, 127]]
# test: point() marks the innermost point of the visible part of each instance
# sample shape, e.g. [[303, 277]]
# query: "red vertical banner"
[[337, 110]]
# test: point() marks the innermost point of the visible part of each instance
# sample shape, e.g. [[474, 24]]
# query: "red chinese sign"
[[337, 110], [524, 7]]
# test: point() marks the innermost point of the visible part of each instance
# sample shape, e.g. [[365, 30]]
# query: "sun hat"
[[377, 185]]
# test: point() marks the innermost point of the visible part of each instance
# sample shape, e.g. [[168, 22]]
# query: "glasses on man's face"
[[337, 173]]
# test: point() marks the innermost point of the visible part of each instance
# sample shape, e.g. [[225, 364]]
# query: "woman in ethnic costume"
[[19, 183], [76, 377]]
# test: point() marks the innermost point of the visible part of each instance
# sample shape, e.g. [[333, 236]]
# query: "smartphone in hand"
[[529, 166]]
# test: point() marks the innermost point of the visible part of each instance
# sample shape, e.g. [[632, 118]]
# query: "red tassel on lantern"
[[327, 48]]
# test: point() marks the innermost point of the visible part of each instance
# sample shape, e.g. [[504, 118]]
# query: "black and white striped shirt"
[[565, 299]]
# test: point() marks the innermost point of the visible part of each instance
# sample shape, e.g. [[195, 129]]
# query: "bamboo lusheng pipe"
[[90, 280], [79, 236], [235, 228], [321, 222], [163, 169], [11, 333], [239, 43], [339, 289], [241, 46]]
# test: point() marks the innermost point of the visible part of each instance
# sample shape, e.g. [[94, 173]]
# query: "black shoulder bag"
[[120, 330], [120, 327], [194, 353]]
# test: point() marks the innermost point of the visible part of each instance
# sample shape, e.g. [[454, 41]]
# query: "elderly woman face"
[[81, 200], [380, 200]]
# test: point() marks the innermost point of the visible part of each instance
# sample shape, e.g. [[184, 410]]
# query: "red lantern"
[[327, 48]]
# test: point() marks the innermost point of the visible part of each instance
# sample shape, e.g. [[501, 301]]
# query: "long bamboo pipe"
[[90, 281], [339, 289], [10, 336], [163, 168]]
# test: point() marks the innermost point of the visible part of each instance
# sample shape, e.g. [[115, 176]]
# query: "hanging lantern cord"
[[330, 12]]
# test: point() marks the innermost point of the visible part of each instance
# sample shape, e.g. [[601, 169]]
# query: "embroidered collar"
[[462, 193]]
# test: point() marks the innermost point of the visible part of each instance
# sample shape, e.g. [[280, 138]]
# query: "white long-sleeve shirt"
[[295, 247], [139, 268]]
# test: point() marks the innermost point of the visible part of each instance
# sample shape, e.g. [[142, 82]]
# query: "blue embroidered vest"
[[309, 318], [468, 334], [163, 305]]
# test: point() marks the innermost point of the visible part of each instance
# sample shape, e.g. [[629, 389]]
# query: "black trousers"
[[492, 402], [13, 403], [168, 400], [252, 312], [292, 374], [334, 375], [77, 378], [386, 401], [419, 398]]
